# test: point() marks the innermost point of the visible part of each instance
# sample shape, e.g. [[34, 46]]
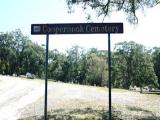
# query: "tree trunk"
[[141, 91]]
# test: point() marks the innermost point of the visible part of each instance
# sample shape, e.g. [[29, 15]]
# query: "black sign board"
[[77, 28]]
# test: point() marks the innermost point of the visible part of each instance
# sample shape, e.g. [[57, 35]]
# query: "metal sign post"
[[46, 77], [77, 28], [109, 76]]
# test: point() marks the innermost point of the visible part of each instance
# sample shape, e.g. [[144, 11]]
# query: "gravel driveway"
[[15, 94]]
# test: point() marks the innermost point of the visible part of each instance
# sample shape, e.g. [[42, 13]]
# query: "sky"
[[20, 14]]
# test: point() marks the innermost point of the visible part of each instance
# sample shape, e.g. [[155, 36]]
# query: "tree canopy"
[[132, 63], [19, 55], [106, 7]]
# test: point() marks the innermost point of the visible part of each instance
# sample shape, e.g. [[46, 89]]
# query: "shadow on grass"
[[154, 93], [76, 114], [145, 114], [90, 114], [79, 114]]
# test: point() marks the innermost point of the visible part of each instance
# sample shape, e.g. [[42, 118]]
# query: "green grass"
[[118, 90]]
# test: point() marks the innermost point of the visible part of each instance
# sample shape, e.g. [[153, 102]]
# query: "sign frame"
[[77, 28]]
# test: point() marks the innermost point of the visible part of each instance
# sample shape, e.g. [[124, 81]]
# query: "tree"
[[7, 54], [56, 64], [137, 65], [20, 55], [82, 67], [132, 63], [74, 59], [32, 59], [119, 71], [156, 61], [96, 70], [146, 72], [106, 7], [19, 42]]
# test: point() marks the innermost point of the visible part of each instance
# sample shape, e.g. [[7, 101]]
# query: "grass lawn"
[[80, 102], [73, 102]]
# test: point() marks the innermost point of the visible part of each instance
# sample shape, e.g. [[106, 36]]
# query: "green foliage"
[[156, 61], [96, 70], [132, 63], [56, 64], [19, 55]]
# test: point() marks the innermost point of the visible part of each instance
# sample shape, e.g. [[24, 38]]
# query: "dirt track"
[[15, 94]]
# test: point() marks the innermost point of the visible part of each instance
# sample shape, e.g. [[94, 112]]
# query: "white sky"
[[21, 14]]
